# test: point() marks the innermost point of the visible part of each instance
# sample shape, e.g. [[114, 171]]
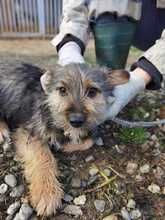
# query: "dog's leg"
[[78, 147], [4, 132], [40, 171]]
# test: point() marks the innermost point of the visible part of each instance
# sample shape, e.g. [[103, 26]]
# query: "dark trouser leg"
[[113, 38]]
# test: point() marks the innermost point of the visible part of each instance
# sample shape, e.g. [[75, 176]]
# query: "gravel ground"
[[121, 177]]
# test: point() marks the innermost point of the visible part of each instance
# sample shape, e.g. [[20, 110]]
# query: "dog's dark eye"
[[62, 91], [92, 92]]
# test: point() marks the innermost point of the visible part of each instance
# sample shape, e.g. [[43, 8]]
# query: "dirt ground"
[[42, 52], [128, 163], [36, 51]]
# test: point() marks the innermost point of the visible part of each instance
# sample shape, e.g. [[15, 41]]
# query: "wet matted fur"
[[61, 106]]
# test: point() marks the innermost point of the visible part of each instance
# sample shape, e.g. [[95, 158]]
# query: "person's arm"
[[147, 73], [74, 33], [153, 63], [156, 54]]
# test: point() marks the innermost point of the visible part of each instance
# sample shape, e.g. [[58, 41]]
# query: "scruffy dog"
[[62, 106]]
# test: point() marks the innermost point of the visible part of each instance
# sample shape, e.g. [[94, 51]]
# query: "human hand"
[[70, 53], [126, 92]]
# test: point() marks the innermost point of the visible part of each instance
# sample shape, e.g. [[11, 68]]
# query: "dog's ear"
[[45, 80], [118, 77]]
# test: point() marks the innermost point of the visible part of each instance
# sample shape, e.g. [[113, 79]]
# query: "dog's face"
[[78, 96]]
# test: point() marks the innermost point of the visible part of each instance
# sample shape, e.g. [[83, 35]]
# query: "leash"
[[144, 124]]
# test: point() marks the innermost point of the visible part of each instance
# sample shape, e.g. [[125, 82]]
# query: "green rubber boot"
[[112, 43]]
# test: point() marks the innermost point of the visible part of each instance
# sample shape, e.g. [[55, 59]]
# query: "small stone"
[[93, 171], [148, 134], [74, 192], [139, 178], [156, 152], [151, 143], [154, 137], [89, 159], [80, 200], [13, 208], [107, 172], [99, 205], [131, 204], [67, 198], [154, 188], [111, 217], [9, 217], [6, 146], [145, 168], [147, 114], [159, 173], [3, 188], [17, 191], [76, 182], [135, 214], [14, 168], [10, 179], [157, 145], [99, 142], [83, 184], [120, 187], [125, 214], [24, 213], [73, 210], [92, 180], [145, 147], [131, 168]]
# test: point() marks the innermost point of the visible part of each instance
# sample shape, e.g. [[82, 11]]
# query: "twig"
[[106, 182], [101, 173], [109, 200], [101, 185], [117, 173]]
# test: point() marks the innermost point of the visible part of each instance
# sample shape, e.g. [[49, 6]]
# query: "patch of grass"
[[132, 135], [90, 56], [136, 113]]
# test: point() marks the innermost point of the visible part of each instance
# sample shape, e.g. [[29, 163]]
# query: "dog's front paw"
[[46, 198], [40, 169]]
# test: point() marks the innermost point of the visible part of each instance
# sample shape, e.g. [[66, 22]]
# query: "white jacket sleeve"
[[156, 54], [74, 21]]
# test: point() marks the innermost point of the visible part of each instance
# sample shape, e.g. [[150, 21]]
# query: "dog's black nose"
[[76, 119]]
